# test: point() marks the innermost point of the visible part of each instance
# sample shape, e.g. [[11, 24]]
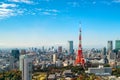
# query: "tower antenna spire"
[[80, 25]]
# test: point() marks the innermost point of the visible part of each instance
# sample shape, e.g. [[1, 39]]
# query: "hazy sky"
[[26, 23]]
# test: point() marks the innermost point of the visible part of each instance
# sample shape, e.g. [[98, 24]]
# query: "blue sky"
[[27, 23]]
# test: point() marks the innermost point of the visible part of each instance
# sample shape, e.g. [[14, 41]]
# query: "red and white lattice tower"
[[79, 58]]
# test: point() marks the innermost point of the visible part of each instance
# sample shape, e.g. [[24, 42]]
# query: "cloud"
[[4, 5], [8, 10], [116, 1], [12, 8], [38, 9], [22, 1], [6, 13], [48, 0], [74, 4], [50, 12], [53, 10], [45, 0], [46, 13], [106, 2]]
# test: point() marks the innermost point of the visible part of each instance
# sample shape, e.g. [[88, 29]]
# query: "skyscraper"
[[70, 47], [54, 58], [112, 55], [26, 67], [23, 51], [117, 44], [43, 49], [104, 51], [21, 62], [12, 64], [15, 53], [109, 46], [59, 49]]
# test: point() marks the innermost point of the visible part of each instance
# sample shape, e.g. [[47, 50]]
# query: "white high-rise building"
[[21, 62], [70, 47], [26, 67], [54, 58], [27, 71]]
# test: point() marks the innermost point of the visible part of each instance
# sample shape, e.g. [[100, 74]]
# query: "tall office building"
[[59, 49], [117, 44], [43, 49], [26, 67], [118, 54], [21, 62], [12, 64], [23, 51], [70, 47], [109, 46], [15, 53], [104, 51], [54, 58], [104, 55], [112, 55]]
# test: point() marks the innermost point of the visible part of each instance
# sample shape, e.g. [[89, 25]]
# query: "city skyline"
[[27, 23]]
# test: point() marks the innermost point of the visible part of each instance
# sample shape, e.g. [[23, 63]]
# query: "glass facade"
[[110, 45], [117, 44]]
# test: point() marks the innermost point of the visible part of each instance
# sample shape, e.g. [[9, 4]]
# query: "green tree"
[[106, 65], [77, 69]]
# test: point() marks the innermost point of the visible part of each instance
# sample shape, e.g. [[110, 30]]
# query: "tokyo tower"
[[79, 58]]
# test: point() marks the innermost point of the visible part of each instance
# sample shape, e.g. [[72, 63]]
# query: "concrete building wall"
[[26, 67], [27, 71], [21, 62], [54, 58], [100, 70]]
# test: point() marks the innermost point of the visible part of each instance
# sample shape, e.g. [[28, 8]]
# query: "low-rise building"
[[102, 71], [52, 77]]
